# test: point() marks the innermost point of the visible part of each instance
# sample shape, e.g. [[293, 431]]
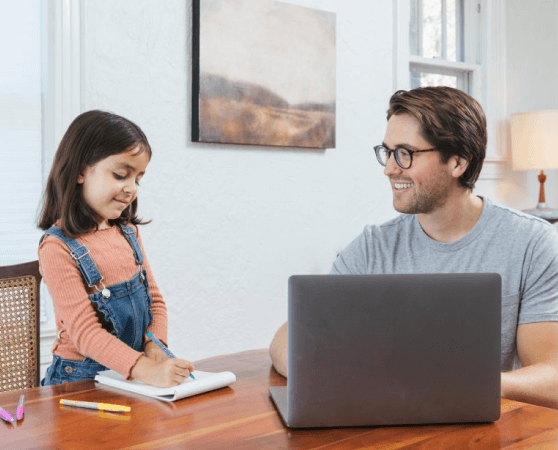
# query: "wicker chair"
[[19, 326]]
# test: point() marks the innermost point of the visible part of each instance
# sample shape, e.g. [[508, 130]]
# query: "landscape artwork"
[[263, 74]]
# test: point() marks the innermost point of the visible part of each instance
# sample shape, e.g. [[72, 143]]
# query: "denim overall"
[[124, 309]]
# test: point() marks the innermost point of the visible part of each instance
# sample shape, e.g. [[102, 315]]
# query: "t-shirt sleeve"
[[539, 291], [159, 325], [75, 311], [353, 260]]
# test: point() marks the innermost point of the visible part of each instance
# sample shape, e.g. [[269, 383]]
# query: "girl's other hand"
[[167, 373]]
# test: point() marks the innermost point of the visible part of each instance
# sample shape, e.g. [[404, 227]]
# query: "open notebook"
[[204, 382]]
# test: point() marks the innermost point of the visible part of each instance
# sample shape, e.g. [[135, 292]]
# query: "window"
[[20, 132], [445, 43], [458, 43], [40, 94]]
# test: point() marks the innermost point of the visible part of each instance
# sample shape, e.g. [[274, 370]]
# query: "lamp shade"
[[534, 140]]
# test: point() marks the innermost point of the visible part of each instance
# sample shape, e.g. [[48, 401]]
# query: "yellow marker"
[[93, 405]]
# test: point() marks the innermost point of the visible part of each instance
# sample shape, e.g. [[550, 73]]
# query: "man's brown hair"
[[451, 120]]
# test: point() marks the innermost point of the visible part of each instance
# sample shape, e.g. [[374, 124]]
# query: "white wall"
[[532, 84], [231, 223]]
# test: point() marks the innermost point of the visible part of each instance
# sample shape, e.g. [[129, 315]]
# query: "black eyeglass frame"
[[380, 148]]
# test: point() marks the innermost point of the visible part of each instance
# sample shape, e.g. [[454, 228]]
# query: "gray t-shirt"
[[521, 248]]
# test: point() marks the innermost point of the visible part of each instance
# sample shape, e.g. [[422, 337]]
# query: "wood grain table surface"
[[241, 417]]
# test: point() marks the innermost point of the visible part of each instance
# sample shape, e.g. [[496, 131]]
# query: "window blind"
[[20, 132]]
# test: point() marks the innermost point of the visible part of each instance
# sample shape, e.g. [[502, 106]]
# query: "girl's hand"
[[153, 351], [167, 373]]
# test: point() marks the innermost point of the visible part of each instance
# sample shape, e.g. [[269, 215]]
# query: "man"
[[433, 151]]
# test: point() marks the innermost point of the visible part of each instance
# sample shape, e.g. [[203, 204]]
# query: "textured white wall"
[[232, 223], [532, 83]]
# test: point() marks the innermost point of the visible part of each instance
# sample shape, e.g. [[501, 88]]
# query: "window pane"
[[451, 41], [432, 28], [415, 28], [436, 29], [436, 79], [20, 131]]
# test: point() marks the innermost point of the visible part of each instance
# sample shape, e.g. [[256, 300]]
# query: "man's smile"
[[402, 185]]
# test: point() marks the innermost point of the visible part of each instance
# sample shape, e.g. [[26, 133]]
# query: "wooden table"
[[241, 417]]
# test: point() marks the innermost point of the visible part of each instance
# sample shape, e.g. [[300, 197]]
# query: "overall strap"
[[130, 235], [80, 253]]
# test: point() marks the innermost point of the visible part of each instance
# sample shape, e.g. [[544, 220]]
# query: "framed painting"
[[263, 74]]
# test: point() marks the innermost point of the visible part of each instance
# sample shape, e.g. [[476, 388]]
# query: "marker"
[[6, 416], [20, 410], [94, 405], [159, 344]]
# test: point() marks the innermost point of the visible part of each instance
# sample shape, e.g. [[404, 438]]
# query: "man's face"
[[426, 185]]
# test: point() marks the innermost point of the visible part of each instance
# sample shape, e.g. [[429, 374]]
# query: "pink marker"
[[20, 410], [6, 416]]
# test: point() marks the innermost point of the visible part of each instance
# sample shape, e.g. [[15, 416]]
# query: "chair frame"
[[21, 270]]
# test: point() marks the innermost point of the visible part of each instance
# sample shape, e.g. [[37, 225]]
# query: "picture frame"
[[263, 74]]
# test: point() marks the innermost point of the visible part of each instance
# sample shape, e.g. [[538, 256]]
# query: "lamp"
[[534, 139]]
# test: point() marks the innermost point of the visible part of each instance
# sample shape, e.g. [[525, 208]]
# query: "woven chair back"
[[19, 326]]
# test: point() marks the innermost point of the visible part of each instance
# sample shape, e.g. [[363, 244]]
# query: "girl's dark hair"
[[451, 120], [91, 137]]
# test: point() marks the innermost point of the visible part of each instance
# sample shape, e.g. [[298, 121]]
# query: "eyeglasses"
[[403, 156]]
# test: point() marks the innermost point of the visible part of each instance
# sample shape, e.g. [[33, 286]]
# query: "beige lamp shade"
[[534, 139]]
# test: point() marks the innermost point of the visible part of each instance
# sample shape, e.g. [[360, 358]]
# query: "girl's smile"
[[110, 185]]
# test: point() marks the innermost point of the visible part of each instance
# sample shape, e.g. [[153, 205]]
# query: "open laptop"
[[368, 350]]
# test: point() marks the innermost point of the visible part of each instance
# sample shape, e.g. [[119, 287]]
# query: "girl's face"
[[110, 185]]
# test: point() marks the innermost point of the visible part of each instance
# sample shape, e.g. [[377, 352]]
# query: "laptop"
[[366, 350]]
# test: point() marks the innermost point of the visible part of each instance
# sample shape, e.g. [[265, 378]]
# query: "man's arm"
[[278, 350], [537, 381]]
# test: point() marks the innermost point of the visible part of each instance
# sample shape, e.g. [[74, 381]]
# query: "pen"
[[20, 410], [159, 344], [6, 416], [94, 405]]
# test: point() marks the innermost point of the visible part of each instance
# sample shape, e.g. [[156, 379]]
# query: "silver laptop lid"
[[393, 349]]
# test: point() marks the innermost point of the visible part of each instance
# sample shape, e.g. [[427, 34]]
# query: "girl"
[[92, 258]]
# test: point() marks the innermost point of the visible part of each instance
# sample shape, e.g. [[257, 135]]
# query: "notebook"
[[204, 382], [368, 350]]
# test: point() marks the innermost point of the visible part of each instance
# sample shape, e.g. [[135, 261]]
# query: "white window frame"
[[488, 77], [63, 86]]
